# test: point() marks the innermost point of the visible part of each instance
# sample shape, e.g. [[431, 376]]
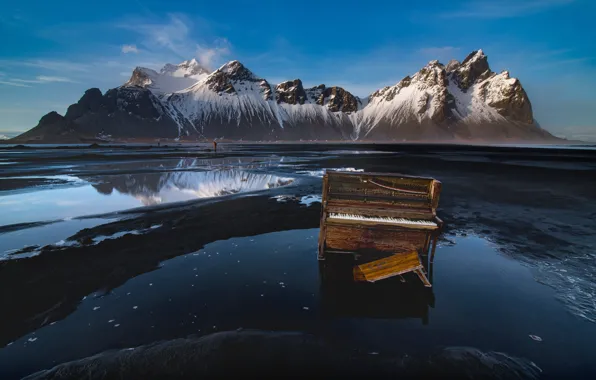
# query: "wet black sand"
[[535, 208]]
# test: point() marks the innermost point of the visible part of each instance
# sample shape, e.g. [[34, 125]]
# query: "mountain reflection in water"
[[157, 188]]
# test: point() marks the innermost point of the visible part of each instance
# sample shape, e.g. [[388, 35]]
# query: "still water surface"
[[481, 299]]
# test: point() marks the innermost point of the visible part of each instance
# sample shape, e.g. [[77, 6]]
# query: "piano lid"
[[382, 190]]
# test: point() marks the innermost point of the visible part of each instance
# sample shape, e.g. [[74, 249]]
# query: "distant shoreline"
[[208, 145], [162, 141]]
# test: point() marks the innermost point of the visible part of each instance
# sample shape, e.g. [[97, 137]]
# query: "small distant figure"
[[158, 144], [214, 146]]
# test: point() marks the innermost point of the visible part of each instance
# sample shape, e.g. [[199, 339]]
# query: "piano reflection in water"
[[342, 297], [378, 214]]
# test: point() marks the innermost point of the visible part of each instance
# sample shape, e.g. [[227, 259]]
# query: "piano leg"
[[430, 274], [321, 255], [423, 278], [432, 254], [426, 245], [322, 224], [432, 257], [322, 238], [322, 272]]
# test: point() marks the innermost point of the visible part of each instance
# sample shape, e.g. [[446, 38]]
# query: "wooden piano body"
[[380, 212]]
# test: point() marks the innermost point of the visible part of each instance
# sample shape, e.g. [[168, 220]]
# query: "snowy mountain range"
[[460, 101]]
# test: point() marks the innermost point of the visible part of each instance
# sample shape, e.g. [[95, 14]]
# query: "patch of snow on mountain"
[[171, 78], [463, 100], [186, 69], [230, 95], [498, 87], [275, 107], [305, 112], [470, 105], [201, 105], [397, 110]]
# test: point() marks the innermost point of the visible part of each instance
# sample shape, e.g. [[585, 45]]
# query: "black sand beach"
[[111, 248]]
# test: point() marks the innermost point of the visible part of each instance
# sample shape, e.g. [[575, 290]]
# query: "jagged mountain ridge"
[[457, 101], [232, 102]]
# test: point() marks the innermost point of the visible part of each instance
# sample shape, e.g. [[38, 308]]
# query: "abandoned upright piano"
[[381, 212]]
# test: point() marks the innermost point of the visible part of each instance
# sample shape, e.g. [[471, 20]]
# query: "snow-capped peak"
[[230, 67], [433, 63], [473, 69], [237, 71], [190, 68], [171, 78], [474, 56]]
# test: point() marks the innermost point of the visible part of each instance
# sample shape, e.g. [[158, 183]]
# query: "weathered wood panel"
[[372, 204], [337, 186], [372, 190], [436, 192], [384, 188], [388, 267], [392, 239], [401, 178], [380, 199]]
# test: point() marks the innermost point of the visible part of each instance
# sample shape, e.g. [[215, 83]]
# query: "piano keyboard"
[[385, 220]]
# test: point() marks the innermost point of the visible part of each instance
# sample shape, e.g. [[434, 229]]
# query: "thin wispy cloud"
[[504, 9], [7, 83], [54, 65], [159, 41], [208, 55], [98, 71], [45, 79], [528, 61], [175, 36], [130, 49]]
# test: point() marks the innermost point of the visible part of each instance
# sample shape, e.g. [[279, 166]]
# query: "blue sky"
[[51, 51]]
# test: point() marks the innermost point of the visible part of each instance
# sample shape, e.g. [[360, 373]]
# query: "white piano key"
[[388, 220]]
